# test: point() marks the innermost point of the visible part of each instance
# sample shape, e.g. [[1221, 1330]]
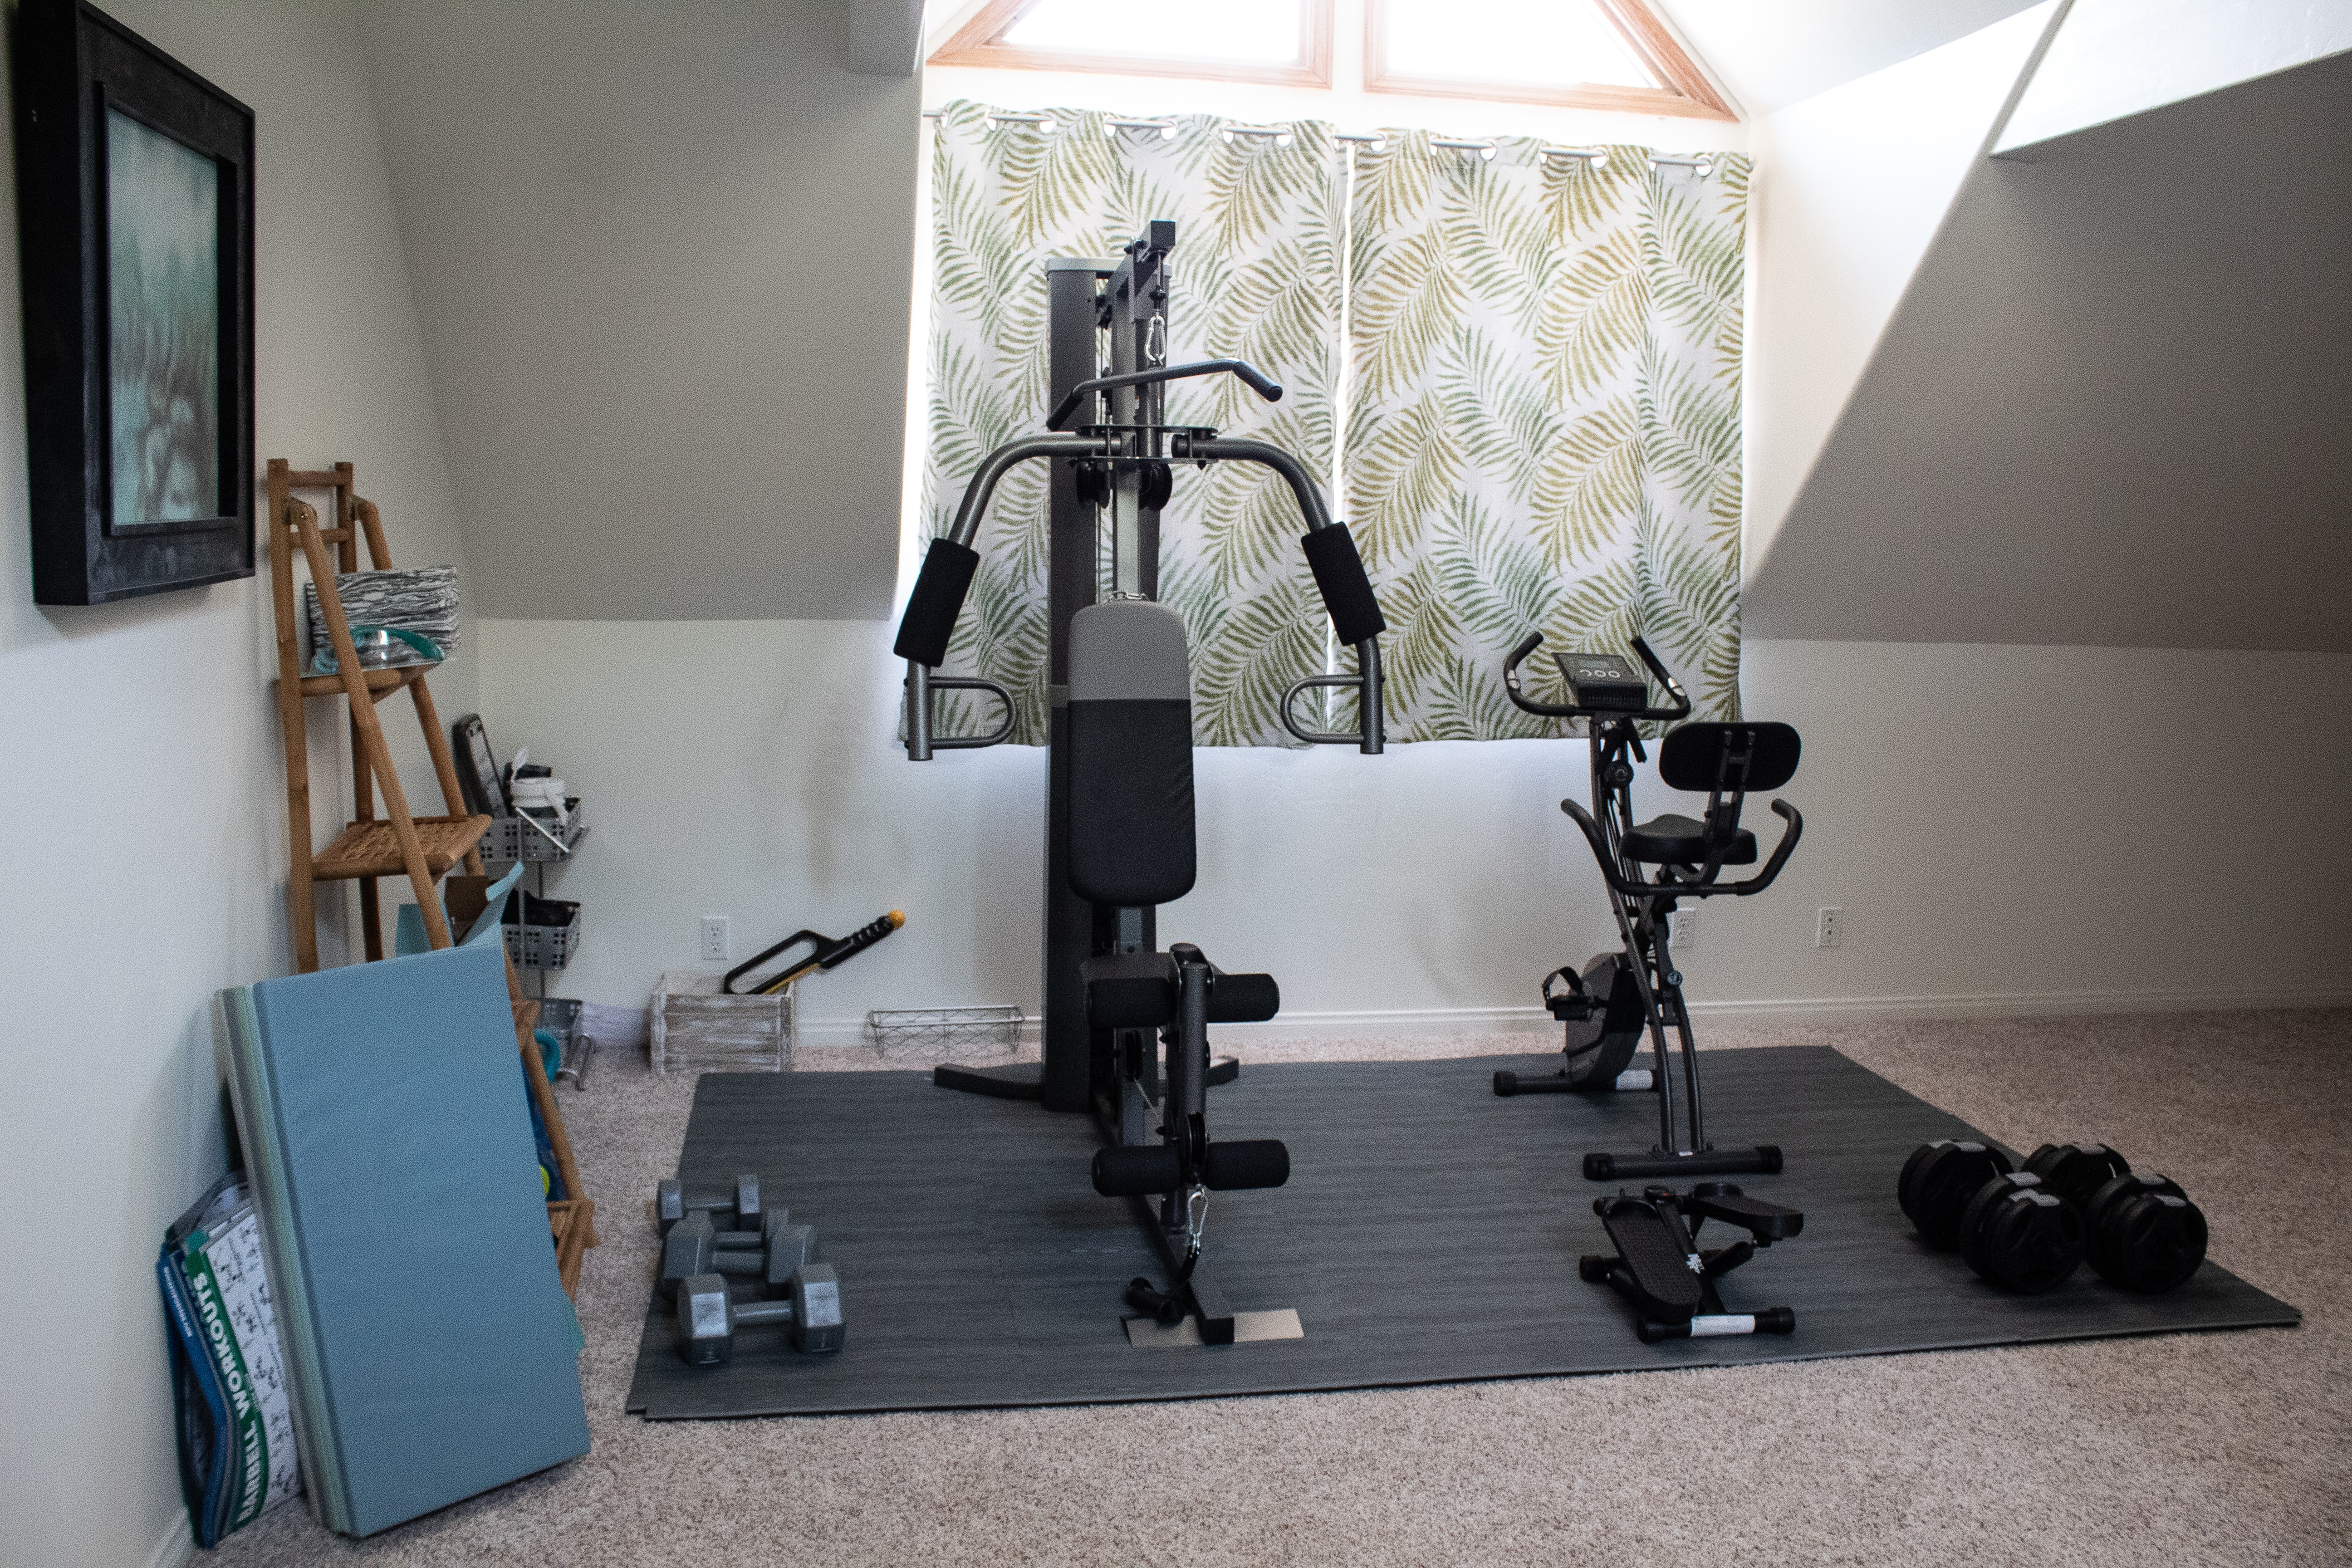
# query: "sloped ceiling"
[[663, 256], [1771, 55], [2113, 406]]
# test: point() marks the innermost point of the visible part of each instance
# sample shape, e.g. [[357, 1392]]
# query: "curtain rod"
[[1280, 134]]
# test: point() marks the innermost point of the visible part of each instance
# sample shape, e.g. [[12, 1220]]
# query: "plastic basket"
[[945, 1034]]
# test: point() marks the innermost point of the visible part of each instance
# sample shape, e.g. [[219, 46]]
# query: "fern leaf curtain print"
[[1256, 273], [1542, 425], [1543, 430]]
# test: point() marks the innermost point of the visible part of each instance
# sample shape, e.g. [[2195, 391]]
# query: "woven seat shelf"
[[381, 683], [372, 849]]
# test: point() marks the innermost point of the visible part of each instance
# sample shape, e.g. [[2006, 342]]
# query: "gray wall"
[[662, 256], [2112, 408]]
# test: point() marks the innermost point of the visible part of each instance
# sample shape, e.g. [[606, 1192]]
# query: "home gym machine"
[[1619, 995], [1120, 823]]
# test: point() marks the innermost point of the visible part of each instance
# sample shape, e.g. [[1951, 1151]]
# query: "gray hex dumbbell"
[[739, 1202], [810, 1312], [694, 1246]]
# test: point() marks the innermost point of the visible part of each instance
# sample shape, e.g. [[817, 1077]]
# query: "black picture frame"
[[84, 86]]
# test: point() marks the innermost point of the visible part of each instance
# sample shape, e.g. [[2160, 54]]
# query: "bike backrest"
[[1131, 837], [1706, 756]]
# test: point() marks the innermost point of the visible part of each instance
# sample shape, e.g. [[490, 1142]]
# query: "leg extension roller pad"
[[1134, 1172]]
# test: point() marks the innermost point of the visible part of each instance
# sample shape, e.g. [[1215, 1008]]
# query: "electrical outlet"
[[1831, 928], [717, 945], [1686, 929]]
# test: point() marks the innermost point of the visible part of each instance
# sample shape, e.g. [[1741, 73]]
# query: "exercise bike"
[[1619, 997], [1607, 1007]]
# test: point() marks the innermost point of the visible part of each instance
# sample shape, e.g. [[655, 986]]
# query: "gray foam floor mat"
[[1429, 1234]]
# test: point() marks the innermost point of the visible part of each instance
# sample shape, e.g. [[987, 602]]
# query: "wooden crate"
[[697, 1025]]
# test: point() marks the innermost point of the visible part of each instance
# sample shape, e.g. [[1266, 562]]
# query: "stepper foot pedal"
[[1655, 1255], [1022, 1080]]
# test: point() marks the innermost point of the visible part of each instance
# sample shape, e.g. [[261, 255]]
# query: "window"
[[1281, 41], [1587, 54]]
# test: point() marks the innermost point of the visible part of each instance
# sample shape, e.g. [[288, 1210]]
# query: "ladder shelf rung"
[[370, 849]]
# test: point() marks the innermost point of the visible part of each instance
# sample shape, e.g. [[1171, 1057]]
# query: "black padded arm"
[[929, 624]]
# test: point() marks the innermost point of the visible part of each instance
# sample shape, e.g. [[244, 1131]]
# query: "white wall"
[[2111, 406], [145, 862], [2007, 829], [2119, 58], [1850, 189]]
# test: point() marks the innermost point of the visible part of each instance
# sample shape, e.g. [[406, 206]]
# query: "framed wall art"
[[134, 200]]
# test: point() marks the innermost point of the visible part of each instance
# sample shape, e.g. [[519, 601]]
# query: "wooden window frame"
[[979, 42], [1688, 93]]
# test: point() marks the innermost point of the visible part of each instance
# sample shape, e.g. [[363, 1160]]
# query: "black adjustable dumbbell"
[[695, 1246], [810, 1310], [2145, 1234], [2007, 1228], [2028, 1230]]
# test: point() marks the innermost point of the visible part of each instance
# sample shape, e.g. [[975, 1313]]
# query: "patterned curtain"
[[1543, 426], [1256, 277], [1542, 413]]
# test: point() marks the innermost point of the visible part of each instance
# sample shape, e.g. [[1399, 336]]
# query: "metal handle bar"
[[983, 482], [1265, 385], [1368, 735], [1756, 884], [1239, 448], [920, 683], [1681, 710]]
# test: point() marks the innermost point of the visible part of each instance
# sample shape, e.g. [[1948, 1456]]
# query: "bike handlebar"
[[1680, 711]]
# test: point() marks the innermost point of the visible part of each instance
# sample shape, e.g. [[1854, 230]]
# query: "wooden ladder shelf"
[[422, 848]]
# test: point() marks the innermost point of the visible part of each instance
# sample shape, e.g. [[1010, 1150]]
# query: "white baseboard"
[[840, 1033], [177, 1546]]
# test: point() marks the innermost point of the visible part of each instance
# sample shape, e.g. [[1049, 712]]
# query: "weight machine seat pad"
[[1677, 840], [1130, 834], [1659, 1267]]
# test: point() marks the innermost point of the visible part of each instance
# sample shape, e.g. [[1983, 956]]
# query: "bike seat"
[[1677, 840]]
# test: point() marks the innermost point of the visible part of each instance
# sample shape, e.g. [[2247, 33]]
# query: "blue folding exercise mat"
[[430, 1344]]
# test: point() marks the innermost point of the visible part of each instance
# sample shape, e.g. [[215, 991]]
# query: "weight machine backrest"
[[1694, 756], [1130, 835]]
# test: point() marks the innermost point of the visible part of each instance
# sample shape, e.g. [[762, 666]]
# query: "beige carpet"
[[2197, 1449]]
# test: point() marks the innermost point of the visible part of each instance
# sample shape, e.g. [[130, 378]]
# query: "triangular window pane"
[[1246, 32], [1523, 43]]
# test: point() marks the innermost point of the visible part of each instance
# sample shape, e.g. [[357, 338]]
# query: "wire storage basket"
[[945, 1034]]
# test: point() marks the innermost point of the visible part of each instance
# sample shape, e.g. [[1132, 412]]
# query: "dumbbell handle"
[[754, 1312], [738, 1239], [739, 1263]]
